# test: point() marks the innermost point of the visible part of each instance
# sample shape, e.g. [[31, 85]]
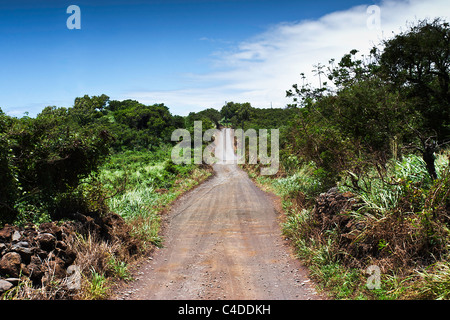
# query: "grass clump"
[[119, 268], [97, 286], [435, 281]]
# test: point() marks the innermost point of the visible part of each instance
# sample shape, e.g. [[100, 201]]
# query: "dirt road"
[[222, 241]]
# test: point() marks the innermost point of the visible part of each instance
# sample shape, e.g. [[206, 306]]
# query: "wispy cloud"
[[260, 70]]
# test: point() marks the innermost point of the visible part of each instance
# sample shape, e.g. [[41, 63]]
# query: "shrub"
[[305, 180]]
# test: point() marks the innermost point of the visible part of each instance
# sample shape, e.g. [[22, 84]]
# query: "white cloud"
[[262, 68]]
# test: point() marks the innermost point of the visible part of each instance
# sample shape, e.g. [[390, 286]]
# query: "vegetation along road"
[[222, 241]]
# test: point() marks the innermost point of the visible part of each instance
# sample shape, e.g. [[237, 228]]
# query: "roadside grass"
[[96, 286], [435, 281], [404, 233], [144, 187], [119, 268], [141, 187]]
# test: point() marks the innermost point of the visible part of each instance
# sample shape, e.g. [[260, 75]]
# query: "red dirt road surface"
[[222, 241]]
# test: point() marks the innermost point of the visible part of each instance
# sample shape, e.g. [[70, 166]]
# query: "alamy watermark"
[[74, 20], [73, 281], [373, 22], [228, 146], [374, 279]]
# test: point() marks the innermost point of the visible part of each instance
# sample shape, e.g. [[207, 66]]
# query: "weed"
[[304, 181], [97, 287], [435, 281], [119, 268]]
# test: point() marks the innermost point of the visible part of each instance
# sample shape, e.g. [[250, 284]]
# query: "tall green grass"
[[380, 192], [143, 184], [435, 281], [302, 180], [140, 203]]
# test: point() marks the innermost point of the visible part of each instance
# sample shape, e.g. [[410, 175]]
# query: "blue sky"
[[188, 54]]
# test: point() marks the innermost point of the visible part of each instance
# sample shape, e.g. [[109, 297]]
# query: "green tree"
[[209, 115], [417, 62], [237, 113], [139, 126], [87, 109]]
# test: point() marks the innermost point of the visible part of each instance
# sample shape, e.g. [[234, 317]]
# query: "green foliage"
[[237, 113], [138, 126], [435, 282], [210, 118], [395, 98], [417, 61], [43, 160], [34, 212], [119, 268], [404, 185], [314, 140], [45, 157], [244, 116], [87, 109], [9, 190], [97, 286], [305, 180]]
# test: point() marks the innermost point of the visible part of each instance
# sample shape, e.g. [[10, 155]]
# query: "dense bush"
[[46, 156], [140, 184], [138, 126], [44, 159]]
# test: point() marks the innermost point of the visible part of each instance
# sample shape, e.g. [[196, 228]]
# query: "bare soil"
[[222, 241]]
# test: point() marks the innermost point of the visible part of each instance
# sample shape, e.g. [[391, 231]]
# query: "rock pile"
[[40, 253], [45, 253], [332, 210]]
